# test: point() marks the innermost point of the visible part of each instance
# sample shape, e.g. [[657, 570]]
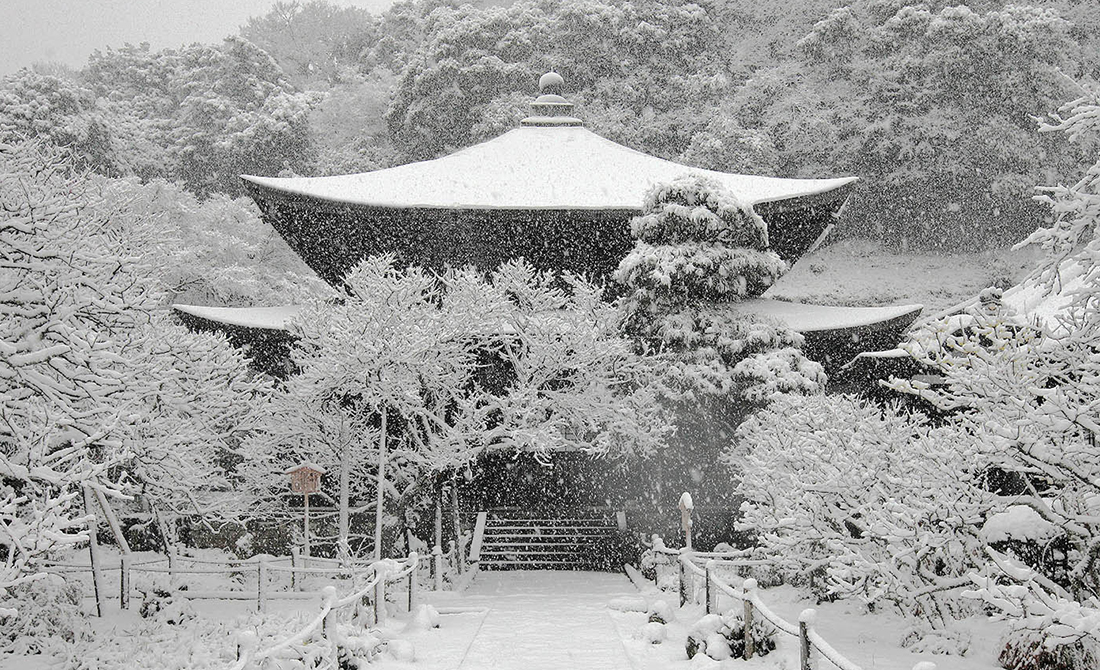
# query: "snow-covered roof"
[[264, 318], [1031, 299], [534, 167], [800, 317], [307, 465], [820, 318]]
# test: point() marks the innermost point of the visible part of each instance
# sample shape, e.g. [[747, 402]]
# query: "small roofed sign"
[[305, 477]]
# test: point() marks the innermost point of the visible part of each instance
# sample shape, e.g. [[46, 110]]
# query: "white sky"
[[69, 30]]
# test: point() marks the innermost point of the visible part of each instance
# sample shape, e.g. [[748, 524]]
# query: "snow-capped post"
[[749, 588], [805, 622], [437, 549], [475, 541], [381, 489], [305, 478], [328, 624], [343, 549], [686, 505], [172, 557]]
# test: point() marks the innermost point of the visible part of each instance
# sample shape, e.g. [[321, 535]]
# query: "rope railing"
[[262, 566], [748, 596], [384, 571]]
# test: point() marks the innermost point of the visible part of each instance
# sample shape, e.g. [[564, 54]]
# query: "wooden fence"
[[265, 569], [370, 597], [694, 566]]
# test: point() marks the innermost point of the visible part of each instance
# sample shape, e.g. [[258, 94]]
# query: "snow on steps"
[[513, 541]]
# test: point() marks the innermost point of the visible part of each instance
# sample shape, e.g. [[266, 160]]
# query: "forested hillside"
[[933, 104]]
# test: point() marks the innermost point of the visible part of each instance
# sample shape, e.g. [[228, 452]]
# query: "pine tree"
[[699, 252]]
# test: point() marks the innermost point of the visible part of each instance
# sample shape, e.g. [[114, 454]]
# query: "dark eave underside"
[[332, 236]]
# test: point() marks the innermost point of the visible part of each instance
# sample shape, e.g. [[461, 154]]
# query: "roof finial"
[[551, 83], [550, 108]]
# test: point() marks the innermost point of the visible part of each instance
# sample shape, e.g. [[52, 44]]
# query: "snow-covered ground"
[[528, 620]]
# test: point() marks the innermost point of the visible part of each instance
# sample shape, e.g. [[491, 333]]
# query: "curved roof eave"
[[272, 319], [803, 318], [536, 168], [828, 319]]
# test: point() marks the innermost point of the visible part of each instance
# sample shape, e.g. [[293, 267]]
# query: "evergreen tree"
[[698, 253]]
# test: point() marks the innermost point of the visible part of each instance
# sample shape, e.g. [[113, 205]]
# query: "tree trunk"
[[438, 535], [345, 485], [381, 489], [460, 555]]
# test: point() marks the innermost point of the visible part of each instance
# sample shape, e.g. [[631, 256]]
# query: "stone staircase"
[[585, 541]]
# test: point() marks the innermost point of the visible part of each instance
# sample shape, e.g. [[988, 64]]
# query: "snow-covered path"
[[545, 619]]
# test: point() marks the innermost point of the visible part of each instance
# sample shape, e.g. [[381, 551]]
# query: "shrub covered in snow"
[[723, 636], [49, 616], [872, 503], [161, 605], [698, 251], [68, 290], [654, 632], [1027, 650]]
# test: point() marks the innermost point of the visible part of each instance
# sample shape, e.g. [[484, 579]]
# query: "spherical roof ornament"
[[550, 108], [551, 82]]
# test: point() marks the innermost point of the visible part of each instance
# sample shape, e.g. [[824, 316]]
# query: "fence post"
[[709, 591], [124, 582], [805, 621], [261, 578], [294, 568], [749, 587], [683, 580], [437, 566], [328, 624]]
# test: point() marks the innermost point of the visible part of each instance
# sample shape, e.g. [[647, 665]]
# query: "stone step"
[[531, 532], [551, 522], [545, 541], [538, 542], [569, 548], [526, 565]]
